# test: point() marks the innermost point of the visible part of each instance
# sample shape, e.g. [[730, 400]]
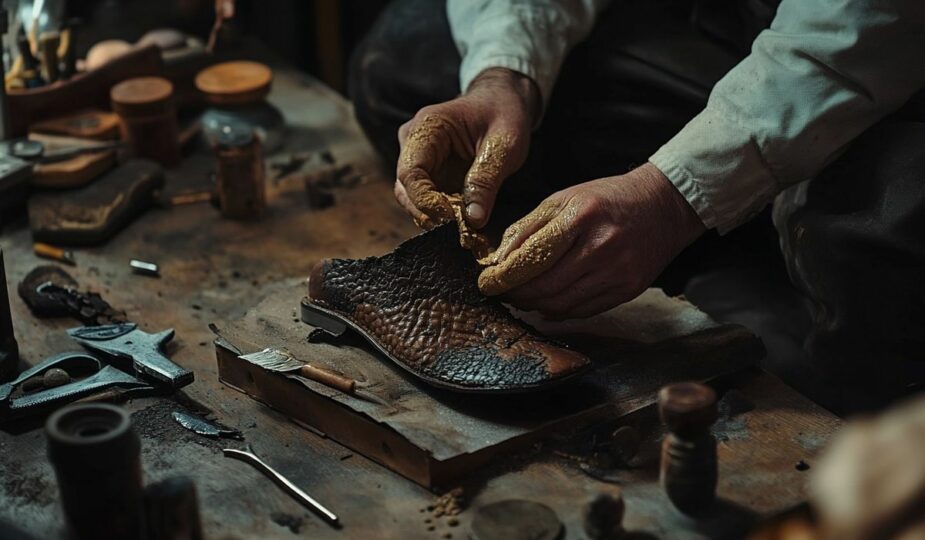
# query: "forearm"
[[824, 72], [530, 37]]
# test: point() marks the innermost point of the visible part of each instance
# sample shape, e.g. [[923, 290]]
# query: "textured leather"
[[421, 305]]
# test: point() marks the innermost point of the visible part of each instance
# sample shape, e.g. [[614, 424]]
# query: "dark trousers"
[[848, 239]]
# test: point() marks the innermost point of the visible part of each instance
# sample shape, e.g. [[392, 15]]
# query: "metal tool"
[[49, 291], [125, 341], [88, 377], [248, 456], [65, 148], [9, 349], [204, 427], [144, 268], [54, 253], [283, 362]]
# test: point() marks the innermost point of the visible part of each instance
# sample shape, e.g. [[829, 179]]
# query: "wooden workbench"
[[213, 270]]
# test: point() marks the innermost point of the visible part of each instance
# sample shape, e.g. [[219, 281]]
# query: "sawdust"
[[156, 422], [27, 485], [293, 523]]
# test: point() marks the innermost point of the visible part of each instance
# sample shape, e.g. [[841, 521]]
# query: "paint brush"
[[283, 362]]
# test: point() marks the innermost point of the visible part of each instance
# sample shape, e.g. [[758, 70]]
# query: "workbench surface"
[[214, 270]]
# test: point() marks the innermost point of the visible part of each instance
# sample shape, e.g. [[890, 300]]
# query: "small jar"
[[148, 118], [239, 172], [236, 92]]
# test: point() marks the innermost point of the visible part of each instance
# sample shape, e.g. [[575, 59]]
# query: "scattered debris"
[[205, 428], [293, 523], [449, 504], [144, 268], [603, 516], [49, 291]]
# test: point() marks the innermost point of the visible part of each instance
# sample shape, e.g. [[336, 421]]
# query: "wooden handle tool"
[[283, 362], [328, 378]]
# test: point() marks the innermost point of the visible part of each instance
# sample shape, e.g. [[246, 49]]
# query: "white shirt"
[[824, 72]]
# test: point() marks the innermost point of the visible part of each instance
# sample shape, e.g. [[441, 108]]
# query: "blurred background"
[[316, 36]]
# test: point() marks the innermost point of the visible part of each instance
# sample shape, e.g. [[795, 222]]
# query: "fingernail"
[[476, 212]]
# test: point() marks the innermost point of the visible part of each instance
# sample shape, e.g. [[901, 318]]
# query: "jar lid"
[[141, 91], [235, 83]]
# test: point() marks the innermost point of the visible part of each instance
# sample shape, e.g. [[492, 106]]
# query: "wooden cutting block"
[[70, 173], [432, 436], [94, 213], [89, 124]]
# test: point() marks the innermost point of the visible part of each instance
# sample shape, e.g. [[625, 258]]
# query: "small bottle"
[[239, 172], [689, 468]]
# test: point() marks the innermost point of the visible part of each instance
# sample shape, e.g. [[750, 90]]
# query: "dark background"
[[316, 36]]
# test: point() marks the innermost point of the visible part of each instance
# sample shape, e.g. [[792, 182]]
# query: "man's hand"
[[469, 144], [592, 246]]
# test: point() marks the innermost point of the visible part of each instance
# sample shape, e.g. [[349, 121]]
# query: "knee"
[[408, 60]]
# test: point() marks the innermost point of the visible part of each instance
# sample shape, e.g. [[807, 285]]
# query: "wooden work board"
[[435, 436]]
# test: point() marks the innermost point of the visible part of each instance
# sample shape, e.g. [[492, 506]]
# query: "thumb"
[[494, 162]]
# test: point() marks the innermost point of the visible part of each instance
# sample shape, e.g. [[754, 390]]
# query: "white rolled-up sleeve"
[[531, 37], [824, 72]]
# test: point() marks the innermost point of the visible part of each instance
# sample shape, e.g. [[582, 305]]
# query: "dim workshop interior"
[[462, 269]]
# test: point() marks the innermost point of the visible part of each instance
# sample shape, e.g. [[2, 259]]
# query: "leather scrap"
[[421, 305], [94, 213]]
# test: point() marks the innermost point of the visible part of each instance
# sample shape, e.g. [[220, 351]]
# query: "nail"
[[475, 212]]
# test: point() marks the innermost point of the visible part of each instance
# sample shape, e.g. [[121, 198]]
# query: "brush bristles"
[[273, 360]]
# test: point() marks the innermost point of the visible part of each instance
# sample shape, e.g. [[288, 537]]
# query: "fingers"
[[402, 197], [593, 293], [534, 255], [493, 162], [575, 264], [424, 147], [515, 235]]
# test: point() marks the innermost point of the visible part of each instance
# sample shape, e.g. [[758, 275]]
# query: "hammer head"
[[145, 351]]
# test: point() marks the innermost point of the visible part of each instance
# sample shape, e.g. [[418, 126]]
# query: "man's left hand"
[[592, 246]]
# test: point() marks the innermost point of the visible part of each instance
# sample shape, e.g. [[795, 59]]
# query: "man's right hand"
[[469, 144]]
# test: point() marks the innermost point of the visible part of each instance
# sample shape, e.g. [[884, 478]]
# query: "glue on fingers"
[[537, 254]]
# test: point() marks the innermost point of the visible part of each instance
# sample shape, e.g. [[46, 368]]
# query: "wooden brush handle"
[[328, 378]]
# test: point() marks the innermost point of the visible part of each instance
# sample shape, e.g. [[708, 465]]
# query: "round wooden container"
[[148, 118], [235, 83]]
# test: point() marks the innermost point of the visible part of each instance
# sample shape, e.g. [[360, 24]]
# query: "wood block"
[[432, 436], [89, 124], [75, 172], [94, 213]]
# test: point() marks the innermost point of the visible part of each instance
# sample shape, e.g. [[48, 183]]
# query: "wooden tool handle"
[[328, 378]]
